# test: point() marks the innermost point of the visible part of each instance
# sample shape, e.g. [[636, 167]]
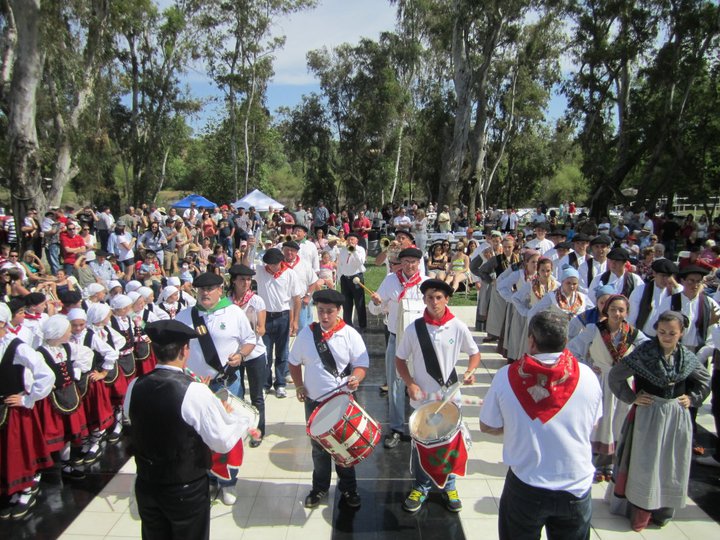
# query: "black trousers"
[[174, 512], [354, 296]]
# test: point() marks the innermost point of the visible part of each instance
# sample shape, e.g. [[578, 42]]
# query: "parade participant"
[[646, 299], [351, 265], [624, 282], [140, 317], [281, 291], [591, 315], [546, 435], [343, 368], [120, 321], [255, 365], [405, 284], [566, 299], [25, 379], [482, 254], [507, 285], [94, 293], [15, 325], [652, 466], [489, 272], [405, 240], [185, 299], [307, 278], [433, 346], [308, 251], [712, 350], [35, 314], [601, 346], [175, 423], [226, 339], [98, 408], [168, 301], [540, 243], [150, 305], [61, 414], [596, 262]]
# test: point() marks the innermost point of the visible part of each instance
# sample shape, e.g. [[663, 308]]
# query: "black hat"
[[69, 297], [603, 239], [618, 254], [328, 296], [581, 237], [563, 245], [406, 233], [34, 298], [101, 253], [664, 266], [241, 270], [169, 331], [692, 269], [207, 279], [542, 225], [436, 284], [273, 256], [292, 245], [16, 304], [353, 235], [410, 252], [299, 226], [558, 232]]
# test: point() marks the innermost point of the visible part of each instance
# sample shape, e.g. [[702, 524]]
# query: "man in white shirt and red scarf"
[[343, 371], [546, 405], [405, 283], [307, 277], [433, 345]]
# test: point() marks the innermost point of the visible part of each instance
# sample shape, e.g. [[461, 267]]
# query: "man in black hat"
[[175, 423], [540, 243], [576, 257], [226, 339], [281, 290], [405, 239], [344, 367], [433, 345], [308, 278], [596, 263], [308, 251], [616, 275], [645, 300], [351, 265], [405, 284]]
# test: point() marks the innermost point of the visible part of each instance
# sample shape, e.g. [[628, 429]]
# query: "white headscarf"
[[55, 327], [98, 313], [5, 313], [133, 285], [120, 301], [77, 314], [146, 292], [167, 292], [174, 281]]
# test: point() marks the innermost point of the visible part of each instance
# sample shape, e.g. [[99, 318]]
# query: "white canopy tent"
[[259, 200]]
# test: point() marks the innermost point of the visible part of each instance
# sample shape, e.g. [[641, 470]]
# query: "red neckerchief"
[[275, 275], [15, 330], [293, 264], [543, 390], [563, 304], [407, 283], [438, 322], [33, 316], [245, 299], [339, 325], [618, 352]]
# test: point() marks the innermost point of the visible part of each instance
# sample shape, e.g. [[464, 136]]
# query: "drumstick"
[[471, 400], [343, 385], [356, 281]]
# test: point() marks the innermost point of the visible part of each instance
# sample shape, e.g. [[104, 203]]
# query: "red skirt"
[[98, 407], [23, 451], [118, 389], [143, 367], [61, 428]]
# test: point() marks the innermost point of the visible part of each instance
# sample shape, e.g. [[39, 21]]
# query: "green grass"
[[375, 275]]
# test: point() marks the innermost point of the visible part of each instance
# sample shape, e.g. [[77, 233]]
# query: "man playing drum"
[[433, 345], [342, 370]]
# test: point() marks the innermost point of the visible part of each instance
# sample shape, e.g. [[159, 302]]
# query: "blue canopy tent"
[[199, 200]]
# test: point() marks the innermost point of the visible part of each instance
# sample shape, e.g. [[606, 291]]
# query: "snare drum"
[[428, 428], [242, 411], [344, 429]]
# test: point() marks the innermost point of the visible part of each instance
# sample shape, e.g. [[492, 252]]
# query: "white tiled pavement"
[[276, 477]]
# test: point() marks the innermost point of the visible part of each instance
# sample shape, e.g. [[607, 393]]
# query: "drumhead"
[[426, 428], [328, 414]]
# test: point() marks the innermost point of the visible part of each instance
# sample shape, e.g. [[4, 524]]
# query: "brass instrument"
[[351, 249], [394, 250], [289, 238], [341, 243], [384, 243]]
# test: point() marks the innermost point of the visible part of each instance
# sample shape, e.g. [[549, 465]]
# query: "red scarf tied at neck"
[[279, 273], [447, 316], [339, 325], [407, 283]]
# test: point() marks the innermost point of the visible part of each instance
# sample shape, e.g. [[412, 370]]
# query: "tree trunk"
[[246, 134], [162, 172], [397, 160]]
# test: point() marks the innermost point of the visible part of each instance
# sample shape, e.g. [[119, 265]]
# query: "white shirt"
[[305, 274], [614, 281], [203, 412], [229, 329], [449, 341], [346, 345], [309, 252], [115, 246], [541, 245], [549, 301], [251, 309], [657, 298], [556, 455], [81, 357], [558, 264], [599, 268], [691, 309], [351, 263], [277, 293], [389, 290], [38, 378]]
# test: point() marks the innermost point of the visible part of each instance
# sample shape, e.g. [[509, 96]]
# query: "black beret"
[[436, 284], [410, 252], [69, 297], [563, 245], [169, 331], [16, 304], [328, 296], [581, 237], [101, 253], [298, 226], [692, 269], [618, 254], [542, 225], [292, 245], [273, 256], [34, 298], [353, 235], [558, 232], [406, 233], [664, 266], [241, 270], [603, 239], [208, 279]]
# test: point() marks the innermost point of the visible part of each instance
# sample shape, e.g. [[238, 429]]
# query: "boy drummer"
[[447, 336], [345, 367]]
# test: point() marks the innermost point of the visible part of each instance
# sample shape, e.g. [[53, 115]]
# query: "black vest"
[[11, 376], [628, 283], [702, 323], [644, 307], [167, 450]]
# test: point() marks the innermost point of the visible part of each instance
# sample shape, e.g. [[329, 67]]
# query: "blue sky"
[[329, 24]]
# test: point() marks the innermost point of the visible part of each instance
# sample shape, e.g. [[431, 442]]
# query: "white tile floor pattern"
[[275, 478]]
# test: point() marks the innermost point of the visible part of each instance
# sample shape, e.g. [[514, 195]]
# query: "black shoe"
[[70, 473], [92, 456], [314, 497], [392, 440], [383, 389], [254, 443], [113, 437], [352, 499], [25, 503]]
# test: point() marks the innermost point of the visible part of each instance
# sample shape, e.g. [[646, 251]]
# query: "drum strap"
[[326, 355], [226, 374], [432, 364]]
